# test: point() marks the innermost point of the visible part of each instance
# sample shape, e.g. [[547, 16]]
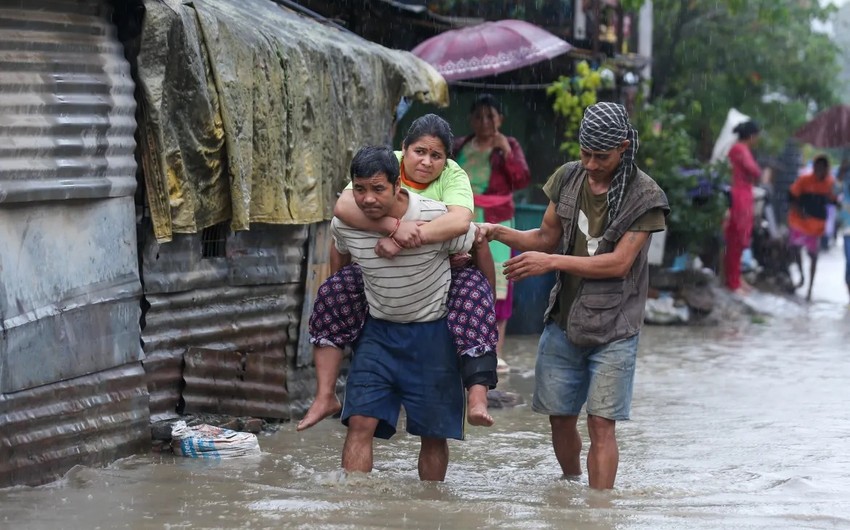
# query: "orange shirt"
[[809, 198]]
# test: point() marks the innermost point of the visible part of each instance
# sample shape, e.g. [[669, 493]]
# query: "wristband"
[[397, 224], [396, 242]]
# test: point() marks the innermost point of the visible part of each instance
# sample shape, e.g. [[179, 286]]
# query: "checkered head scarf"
[[604, 127]]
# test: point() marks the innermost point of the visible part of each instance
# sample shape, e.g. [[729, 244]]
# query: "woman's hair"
[[430, 125], [746, 129], [486, 100]]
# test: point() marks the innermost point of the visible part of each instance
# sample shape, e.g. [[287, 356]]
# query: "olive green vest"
[[607, 310]]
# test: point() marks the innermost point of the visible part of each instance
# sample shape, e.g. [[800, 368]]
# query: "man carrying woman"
[[340, 309], [405, 354]]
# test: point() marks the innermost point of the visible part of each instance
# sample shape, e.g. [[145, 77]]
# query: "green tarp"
[[251, 112]]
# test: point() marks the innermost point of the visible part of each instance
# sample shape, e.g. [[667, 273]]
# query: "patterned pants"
[[340, 310]]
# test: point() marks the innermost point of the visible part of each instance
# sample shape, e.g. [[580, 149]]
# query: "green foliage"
[[666, 149], [759, 56], [572, 96]]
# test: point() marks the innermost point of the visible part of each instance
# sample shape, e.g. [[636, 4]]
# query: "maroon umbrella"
[[489, 48], [830, 128]]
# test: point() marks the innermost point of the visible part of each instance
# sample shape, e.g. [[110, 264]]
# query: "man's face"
[[602, 164], [821, 168], [374, 195]]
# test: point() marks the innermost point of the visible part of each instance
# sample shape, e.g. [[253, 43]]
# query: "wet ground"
[[741, 426]]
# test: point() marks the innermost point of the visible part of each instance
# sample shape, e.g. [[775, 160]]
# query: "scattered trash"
[[209, 441], [664, 311]]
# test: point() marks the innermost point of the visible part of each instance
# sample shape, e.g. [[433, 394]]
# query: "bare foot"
[[477, 415], [322, 407], [476, 407]]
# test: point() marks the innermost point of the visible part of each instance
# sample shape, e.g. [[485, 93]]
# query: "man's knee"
[[563, 422], [600, 429], [434, 444], [362, 426]]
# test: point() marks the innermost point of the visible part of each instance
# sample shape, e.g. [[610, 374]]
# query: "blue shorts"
[[414, 365], [567, 376]]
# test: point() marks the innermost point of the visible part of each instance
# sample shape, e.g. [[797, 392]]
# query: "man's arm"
[[614, 264], [337, 259], [483, 259], [543, 239]]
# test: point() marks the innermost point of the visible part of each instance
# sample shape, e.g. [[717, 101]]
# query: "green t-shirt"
[[589, 228], [452, 187]]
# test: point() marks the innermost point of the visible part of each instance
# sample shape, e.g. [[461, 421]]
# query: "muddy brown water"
[[740, 426]]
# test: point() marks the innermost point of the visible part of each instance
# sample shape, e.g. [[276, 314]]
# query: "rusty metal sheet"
[[67, 111], [69, 290], [235, 383], [261, 319], [265, 254], [89, 420]]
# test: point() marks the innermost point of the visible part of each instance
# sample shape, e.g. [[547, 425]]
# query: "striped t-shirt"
[[414, 285]]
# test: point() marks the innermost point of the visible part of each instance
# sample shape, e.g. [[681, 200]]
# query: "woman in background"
[[496, 167], [739, 226]]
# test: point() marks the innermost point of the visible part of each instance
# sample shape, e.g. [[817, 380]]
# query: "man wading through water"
[[602, 211], [405, 355]]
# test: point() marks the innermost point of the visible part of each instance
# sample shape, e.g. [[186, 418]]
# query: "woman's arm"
[[516, 166], [347, 211], [452, 224], [744, 158]]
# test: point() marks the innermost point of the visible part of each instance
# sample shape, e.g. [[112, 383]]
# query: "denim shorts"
[[414, 365], [567, 376]]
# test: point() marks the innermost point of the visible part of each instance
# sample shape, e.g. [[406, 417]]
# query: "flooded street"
[[744, 426]]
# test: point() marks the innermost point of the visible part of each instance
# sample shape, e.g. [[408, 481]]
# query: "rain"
[[178, 237]]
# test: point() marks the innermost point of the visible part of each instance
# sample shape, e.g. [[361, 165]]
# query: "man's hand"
[[528, 264], [459, 260], [408, 235], [387, 248], [485, 232]]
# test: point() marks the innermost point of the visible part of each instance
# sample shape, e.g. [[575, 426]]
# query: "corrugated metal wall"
[[247, 301], [70, 385]]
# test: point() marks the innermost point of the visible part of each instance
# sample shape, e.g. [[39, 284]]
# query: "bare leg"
[[567, 444], [604, 455], [476, 406], [357, 451], [812, 267], [328, 360], [433, 459]]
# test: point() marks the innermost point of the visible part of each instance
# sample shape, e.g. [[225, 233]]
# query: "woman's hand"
[[408, 235], [500, 141]]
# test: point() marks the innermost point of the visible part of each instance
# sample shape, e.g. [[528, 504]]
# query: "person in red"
[[809, 196], [739, 225]]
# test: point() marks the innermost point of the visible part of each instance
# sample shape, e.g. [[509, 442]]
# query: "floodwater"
[[744, 426]]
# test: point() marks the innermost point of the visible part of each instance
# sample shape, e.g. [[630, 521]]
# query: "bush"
[[694, 190]]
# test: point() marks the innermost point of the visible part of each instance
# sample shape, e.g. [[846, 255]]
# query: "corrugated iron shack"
[[166, 171]]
